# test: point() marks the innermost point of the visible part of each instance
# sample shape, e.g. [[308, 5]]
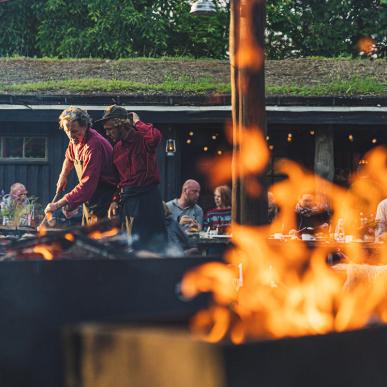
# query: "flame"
[[249, 53], [45, 251], [104, 234], [289, 290], [70, 237], [251, 158], [42, 230], [366, 45]]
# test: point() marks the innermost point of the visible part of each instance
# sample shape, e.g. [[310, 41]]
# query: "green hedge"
[[126, 28]]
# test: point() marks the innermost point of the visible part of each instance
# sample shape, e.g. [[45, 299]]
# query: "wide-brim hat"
[[112, 112]]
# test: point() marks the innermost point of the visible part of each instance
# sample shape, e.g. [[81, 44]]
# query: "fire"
[[42, 230], [289, 290], [366, 45], [104, 234], [45, 251], [251, 158]]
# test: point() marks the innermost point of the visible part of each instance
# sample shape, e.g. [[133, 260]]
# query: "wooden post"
[[247, 21]]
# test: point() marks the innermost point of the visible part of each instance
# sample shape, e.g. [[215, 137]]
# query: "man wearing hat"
[[134, 156], [92, 157]]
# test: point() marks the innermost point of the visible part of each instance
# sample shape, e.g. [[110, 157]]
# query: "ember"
[[96, 240]]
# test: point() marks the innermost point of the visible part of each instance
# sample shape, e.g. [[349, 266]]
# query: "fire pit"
[[38, 298], [122, 356]]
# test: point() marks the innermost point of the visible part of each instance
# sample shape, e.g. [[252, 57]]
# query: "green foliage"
[[18, 26], [146, 28], [323, 27], [170, 84], [117, 29], [353, 86]]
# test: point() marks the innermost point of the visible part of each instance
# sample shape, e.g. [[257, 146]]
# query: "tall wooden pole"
[[247, 25]]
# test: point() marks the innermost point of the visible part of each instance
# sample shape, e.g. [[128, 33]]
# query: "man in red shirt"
[[134, 156], [92, 157]]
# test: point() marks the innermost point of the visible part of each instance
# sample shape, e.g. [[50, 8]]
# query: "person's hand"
[[113, 210], [51, 222], [194, 225], [69, 214], [135, 117], [51, 207], [185, 219], [61, 184]]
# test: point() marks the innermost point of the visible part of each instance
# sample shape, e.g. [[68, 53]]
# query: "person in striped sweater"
[[219, 218]]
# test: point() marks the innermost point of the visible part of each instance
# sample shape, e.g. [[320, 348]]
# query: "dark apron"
[[142, 216], [97, 207]]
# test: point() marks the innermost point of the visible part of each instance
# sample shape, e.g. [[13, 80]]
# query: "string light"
[[188, 141], [267, 138], [290, 137], [205, 148], [350, 137], [271, 147], [219, 152], [191, 133], [374, 141], [213, 136], [312, 132]]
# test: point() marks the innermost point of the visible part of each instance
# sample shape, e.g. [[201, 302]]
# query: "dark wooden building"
[[329, 135]]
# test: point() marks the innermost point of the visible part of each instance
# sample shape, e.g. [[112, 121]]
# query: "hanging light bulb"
[[188, 141], [312, 132], [350, 137], [220, 152], [267, 138], [203, 8], [170, 147], [213, 137], [205, 148], [271, 147], [374, 141], [191, 133]]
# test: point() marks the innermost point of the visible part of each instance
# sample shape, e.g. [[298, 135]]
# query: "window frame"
[[23, 159]]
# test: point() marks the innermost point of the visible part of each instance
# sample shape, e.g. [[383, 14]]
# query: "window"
[[23, 148]]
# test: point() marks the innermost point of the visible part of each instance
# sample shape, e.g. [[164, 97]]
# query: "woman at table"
[[219, 218]]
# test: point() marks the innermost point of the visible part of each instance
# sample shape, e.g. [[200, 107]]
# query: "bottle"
[[339, 230]]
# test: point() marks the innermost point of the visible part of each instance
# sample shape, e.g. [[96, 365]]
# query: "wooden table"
[[211, 246]]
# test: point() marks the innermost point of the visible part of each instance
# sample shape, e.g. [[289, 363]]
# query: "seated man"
[[178, 241], [15, 207], [185, 209]]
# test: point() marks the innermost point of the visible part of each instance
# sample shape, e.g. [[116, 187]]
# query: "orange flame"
[[251, 158], [366, 45], [104, 234], [45, 251], [289, 290]]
